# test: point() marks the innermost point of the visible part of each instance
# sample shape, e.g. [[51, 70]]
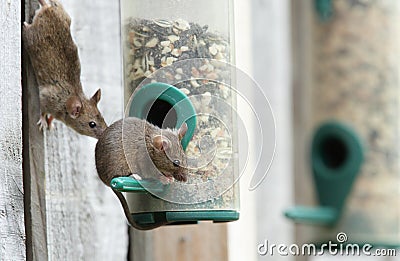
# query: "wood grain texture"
[[12, 230], [205, 241], [33, 164], [34, 175], [73, 216], [84, 219]]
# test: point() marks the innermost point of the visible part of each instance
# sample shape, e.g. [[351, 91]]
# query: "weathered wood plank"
[[84, 219], [33, 154], [75, 217], [12, 230], [141, 245], [34, 175], [204, 241]]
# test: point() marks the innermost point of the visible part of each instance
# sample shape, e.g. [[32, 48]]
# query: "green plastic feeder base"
[[128, 184], [185, 217]]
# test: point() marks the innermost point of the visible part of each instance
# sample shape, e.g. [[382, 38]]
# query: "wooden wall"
[[73, 216], [12, 230]]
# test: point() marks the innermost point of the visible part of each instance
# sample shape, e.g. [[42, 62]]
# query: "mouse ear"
[[74, 106], [160, 142], [96, 97], [182, 130]]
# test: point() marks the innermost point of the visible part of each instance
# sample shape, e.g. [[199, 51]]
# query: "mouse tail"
[[129, 217]]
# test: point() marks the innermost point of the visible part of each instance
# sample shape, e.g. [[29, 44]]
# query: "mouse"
[[144, 146], [55, 61]]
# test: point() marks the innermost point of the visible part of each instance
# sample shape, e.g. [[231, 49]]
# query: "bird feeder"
[[348, 110], [176, 57]]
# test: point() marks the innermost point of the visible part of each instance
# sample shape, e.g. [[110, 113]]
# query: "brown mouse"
[[132, 147], [55, 61]]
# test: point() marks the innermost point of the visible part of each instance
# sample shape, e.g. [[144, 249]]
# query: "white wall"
[[263, 49], [241, 240], [272, 70]]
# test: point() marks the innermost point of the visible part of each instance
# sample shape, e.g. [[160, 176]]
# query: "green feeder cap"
[[150, 94]]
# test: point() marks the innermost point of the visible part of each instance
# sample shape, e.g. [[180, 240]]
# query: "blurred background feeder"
[[176, 58], [336, 159], [347, 92]]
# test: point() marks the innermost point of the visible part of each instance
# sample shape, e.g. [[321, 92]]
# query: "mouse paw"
[[49, 121], [166, 180], [136, 176], [42, 123], [45, 122]]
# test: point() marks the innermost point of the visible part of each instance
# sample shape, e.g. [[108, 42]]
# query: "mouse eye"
[[176, 163], [92, 124]]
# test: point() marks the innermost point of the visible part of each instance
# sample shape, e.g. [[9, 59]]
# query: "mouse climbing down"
[[55, 61]]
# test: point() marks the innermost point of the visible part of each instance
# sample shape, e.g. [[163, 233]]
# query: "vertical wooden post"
[[12, 230], [302, 12], [33, 154]]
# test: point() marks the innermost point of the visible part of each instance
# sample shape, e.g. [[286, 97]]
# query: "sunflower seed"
[[152, 43], [184, 48], [165, 43], [166, 50], [185, 91], [173, 38], [137, 43], [175, 52], [213, 49], [182, 24], [163, 23]]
